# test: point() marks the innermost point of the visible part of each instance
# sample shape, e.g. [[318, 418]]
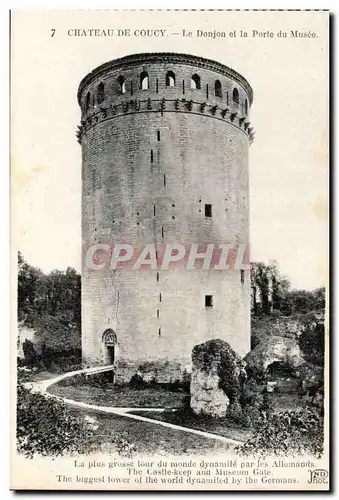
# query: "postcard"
[[169, 243]]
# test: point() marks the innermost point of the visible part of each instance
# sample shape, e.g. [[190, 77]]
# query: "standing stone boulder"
[[218, 374]]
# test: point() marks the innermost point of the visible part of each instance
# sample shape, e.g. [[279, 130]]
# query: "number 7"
[[53, 32]]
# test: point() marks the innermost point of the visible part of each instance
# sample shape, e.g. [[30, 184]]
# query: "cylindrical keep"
[[164, 142]]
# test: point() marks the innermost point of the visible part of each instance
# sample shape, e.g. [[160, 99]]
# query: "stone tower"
[[165, 141]]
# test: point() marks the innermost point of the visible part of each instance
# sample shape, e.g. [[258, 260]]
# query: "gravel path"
[[43, 385]]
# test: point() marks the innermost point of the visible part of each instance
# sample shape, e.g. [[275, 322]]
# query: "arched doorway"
[[109, 339]]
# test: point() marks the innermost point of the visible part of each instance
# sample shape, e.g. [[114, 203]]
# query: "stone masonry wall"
[[147, 175]]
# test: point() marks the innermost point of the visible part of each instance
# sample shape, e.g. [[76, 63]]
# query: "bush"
[[312, 342], [46, 427], [94, 380], [249, 404], [137, 382], [288, 433]]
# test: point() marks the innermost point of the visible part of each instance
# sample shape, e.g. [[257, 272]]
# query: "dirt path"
[[43, 385]]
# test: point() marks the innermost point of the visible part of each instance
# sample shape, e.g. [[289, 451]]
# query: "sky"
[[288, 159]]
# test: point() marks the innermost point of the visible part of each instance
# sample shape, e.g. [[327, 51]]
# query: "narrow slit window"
[[246, 106], [208, 210], [183, 86], [158, 277], [151, 155], [242, 276], [208, 300], [159, 331], [207, 91], [162, 231], [158, 135], [88, 101], [154, 210], [164, 180], [157, 85], [159, 297], [158, 313]]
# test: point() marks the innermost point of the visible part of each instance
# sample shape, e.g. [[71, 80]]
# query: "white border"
[[332, 5]]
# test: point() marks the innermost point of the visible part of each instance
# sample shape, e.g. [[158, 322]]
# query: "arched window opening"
[[144, 80], [236, 96], [246, 107], [88, 101], [122, 84], [101, 93], [170, 79], [195, 82], [217, 89]]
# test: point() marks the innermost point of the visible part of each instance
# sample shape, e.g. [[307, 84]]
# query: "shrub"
[[249, 404], [288, 433], [312, 342], [94, 380], [186, 380], [32, 358], [137, 381], [46, 427], [122, 445]]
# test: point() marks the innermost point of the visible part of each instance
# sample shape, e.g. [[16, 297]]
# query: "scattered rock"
[[218, 374], [276, 349]]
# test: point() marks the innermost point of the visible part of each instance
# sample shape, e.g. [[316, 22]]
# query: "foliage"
[[304, 301], [230, 366], [308, 329], [123, 445], [312, 340], [270, 293], [57, 294], [268, 288], [288, 433], [51, 305], [31, 356], [46, 427], [249, 404]]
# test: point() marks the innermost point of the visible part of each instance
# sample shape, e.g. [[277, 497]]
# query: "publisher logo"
[[318, 476]]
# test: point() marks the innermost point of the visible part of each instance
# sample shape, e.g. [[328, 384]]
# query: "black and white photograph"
[[169, 191]]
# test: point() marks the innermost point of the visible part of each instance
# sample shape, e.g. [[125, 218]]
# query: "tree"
[[51, 305], [312, 340], [304, 301], [56, 294], [268, 288], [28, 284]]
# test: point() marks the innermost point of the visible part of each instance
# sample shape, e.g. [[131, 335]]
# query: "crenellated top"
[[165, 58], [162, 72], [162, 106], [140, 82]]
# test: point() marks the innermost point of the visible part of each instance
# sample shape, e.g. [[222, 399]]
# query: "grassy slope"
[[150, 439], [120, 396], [222, 427]]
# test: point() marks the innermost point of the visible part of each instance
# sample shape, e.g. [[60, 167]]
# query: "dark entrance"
[[110, 354], [109, 340]]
